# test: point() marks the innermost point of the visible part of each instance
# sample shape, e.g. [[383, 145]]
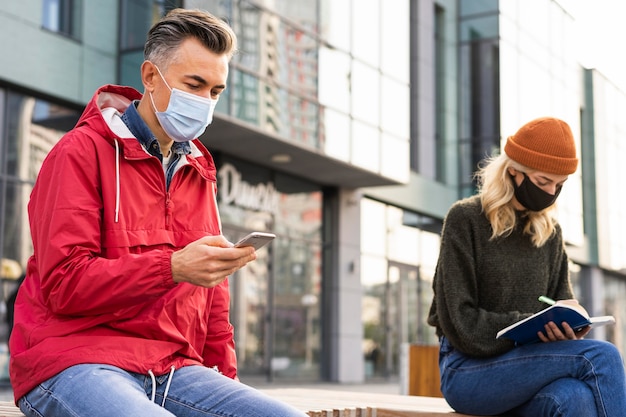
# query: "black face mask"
[[531, 196]]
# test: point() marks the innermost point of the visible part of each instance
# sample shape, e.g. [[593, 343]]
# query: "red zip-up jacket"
[[99, 286]]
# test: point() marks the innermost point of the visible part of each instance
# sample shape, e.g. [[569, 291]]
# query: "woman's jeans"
[[581, 378], [103, 390]]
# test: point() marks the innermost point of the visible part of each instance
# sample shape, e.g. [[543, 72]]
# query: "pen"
[[547, 300]]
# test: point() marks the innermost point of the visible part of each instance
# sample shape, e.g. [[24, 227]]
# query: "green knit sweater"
[[483, 285]]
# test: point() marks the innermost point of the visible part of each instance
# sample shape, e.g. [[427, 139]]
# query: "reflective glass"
[[394, 163], [366, 146], [479, 28], [31, 128], [336, 133], [136, 20], [394, 38], [334, 79], [615, 305], [470, 7], [276, 299], [335, 23], [366, 34], [395, 107], [397, 267], [365, 90]]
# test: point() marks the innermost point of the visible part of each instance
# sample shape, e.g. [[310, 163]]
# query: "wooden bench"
[[336, 403], [8, 409]]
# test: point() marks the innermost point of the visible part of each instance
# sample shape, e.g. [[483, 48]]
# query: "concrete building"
[[348, 128]]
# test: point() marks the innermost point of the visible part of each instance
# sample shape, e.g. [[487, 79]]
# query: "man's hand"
[[209, 261]]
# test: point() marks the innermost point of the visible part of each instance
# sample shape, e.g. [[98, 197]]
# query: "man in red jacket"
[[124, 309]]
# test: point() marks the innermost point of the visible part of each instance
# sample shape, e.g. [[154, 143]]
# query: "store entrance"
[[275, 300], [397, 299], [275, 312]]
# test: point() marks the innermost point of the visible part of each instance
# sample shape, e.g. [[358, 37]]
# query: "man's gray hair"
[[165, 36]]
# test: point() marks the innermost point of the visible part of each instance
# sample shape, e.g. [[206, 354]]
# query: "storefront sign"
[[234, 190]]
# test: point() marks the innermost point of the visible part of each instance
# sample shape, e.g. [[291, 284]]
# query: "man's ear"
[[148, 72]]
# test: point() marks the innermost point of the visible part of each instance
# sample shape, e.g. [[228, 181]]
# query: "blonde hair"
[[496, 196]]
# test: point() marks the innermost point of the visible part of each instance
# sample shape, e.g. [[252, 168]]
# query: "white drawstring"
[[217, 209], [167, 386], [117, 181], [153, 385]]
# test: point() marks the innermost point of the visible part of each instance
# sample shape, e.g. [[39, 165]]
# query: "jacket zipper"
[[168, 210]]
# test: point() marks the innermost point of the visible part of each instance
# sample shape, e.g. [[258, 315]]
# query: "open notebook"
[[525, 331]]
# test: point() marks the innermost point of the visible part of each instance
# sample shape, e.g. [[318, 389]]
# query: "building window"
[[63, 16], [440, 94]]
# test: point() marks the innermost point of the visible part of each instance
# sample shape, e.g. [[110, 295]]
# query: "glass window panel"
[[51, 14], [63, 16], [532, 48], [136, 20], [479, 28], [615, 305], [394, 60], [277, 50], [34, 126], [530, 107], [394, 163], [303, 12], [16, 241], [402, 240], [373, 231], [31, 127], [395, 107], [366, 146], [247, 29], [334, 79], [470, 7], [365, 93], [366, 30], [535, 17], [335, 23], [130, 69], [336, 127], [373, 273], [244, 89]]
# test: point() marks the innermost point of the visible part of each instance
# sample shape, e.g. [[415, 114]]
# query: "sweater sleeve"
[[456, 309], [560, 285]]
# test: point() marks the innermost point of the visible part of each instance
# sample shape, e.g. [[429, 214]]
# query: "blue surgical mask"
[[187, 115]]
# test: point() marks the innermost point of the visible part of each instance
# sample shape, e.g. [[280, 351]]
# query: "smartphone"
[[256, 240]]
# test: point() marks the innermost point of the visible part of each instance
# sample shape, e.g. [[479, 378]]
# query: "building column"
[[345, 331]]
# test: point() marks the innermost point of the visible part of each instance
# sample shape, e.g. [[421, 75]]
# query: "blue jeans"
[[573, 378], [102, 390]]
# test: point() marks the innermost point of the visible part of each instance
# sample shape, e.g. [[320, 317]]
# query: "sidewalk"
[[378, 386]]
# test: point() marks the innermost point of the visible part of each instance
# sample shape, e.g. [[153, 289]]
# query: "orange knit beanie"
[[545, 144]]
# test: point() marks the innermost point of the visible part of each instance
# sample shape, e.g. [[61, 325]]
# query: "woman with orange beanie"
[[500, 250]]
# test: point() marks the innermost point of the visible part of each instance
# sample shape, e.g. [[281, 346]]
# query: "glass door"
[[397, 322]]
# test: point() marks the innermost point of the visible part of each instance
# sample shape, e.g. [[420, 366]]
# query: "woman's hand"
[[552, 333]]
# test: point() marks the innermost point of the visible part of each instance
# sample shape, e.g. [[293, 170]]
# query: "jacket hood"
[[102, 116], [107, 97]]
